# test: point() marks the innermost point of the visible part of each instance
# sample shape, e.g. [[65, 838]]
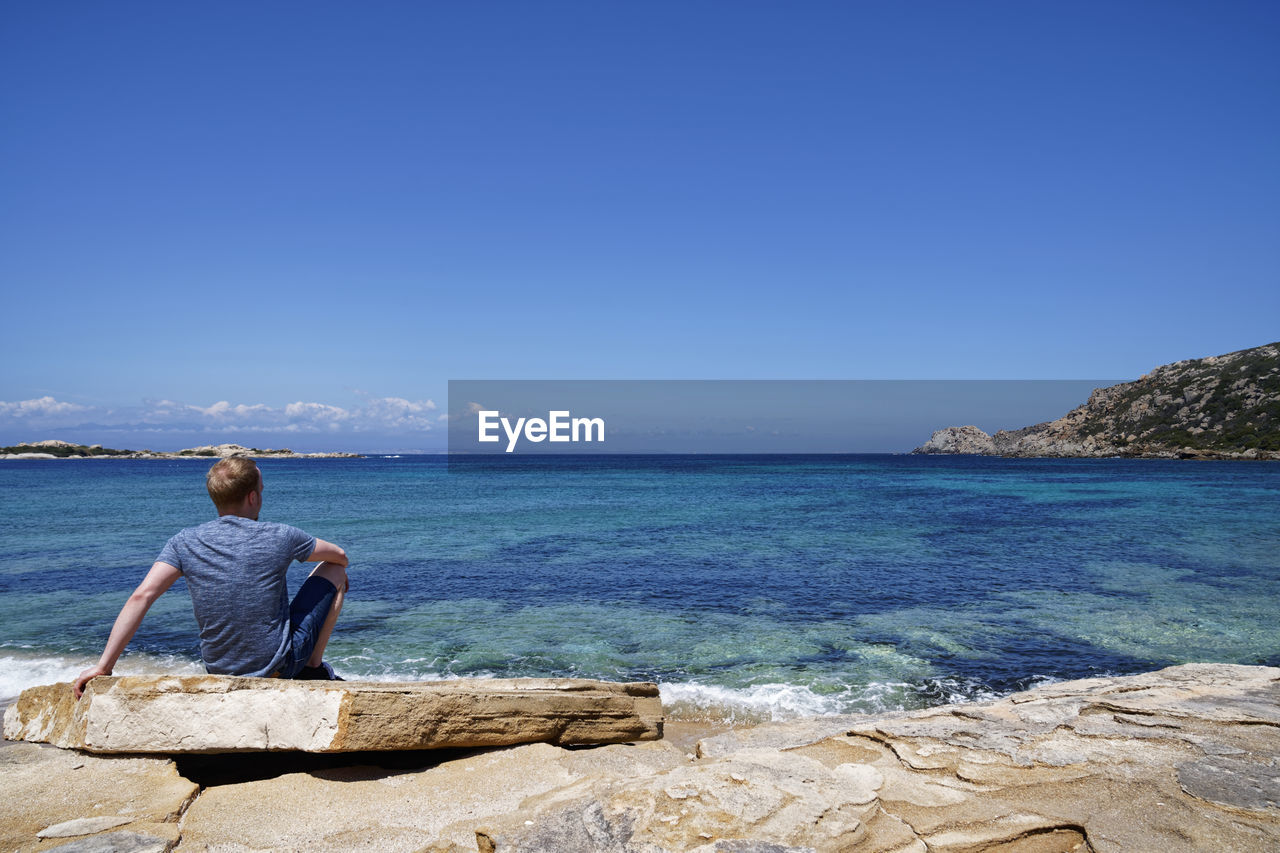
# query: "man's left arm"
[[327, 552]]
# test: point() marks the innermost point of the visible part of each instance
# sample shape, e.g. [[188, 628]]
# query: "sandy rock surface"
[[49, 795], [1185, 759], [356, 808]]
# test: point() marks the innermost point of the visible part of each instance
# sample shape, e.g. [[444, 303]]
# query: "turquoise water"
[[748, 587]]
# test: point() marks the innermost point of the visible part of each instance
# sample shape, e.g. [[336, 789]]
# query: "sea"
[[750, 588]]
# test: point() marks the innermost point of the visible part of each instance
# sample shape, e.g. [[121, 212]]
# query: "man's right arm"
[[159, 579]]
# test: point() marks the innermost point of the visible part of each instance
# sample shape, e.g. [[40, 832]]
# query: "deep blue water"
[[747, 586]]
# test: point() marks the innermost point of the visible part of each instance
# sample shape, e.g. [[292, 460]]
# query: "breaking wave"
[[761, 703], [20, 670]]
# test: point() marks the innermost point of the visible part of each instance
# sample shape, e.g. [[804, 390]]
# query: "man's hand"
[[87, 676]]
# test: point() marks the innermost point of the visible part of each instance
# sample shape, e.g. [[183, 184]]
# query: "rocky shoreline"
[[58, 449], [1220, 407], [1187, 758], [1039, 441]]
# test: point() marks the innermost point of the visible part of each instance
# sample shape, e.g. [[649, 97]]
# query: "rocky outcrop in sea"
[[58, 449], [1221, 407]]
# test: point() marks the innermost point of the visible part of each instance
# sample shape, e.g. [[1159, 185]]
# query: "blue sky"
[[211, 213]]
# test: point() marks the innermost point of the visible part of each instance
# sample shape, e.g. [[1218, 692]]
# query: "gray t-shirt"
[[235, 570]]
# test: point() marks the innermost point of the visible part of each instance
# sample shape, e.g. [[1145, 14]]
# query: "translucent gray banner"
[[580, 416]]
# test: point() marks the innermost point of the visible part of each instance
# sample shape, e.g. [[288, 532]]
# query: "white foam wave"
[[759, 703], [19, 670]]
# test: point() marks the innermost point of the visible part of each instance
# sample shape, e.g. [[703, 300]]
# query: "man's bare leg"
[[336, 575]]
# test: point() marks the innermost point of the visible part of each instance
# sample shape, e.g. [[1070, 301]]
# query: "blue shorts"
[[307, 613]]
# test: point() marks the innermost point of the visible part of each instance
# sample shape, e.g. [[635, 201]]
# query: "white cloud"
[[316, 411], [223, 409], [395, 413], [472, 409], [374, 414], [39, 407], [301, 416]]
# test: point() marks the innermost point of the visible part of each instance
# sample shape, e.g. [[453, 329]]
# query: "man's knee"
[[334, 574]]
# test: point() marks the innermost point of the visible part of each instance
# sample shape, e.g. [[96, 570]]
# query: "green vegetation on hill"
[[1227, 403]]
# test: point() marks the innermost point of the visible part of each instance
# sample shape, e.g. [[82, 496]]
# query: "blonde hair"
[[231, 480]]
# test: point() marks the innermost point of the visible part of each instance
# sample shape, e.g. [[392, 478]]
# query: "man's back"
[[235, 569]]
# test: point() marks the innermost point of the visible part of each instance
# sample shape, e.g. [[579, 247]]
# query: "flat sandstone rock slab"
[[50, 798], [216, 713]]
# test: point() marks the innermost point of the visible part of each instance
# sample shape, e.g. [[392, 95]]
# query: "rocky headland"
[[57, 449], [1221, 407], [1183, 759]]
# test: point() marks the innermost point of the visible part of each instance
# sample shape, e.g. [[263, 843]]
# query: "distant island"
[[1220, 407], [57, 449]]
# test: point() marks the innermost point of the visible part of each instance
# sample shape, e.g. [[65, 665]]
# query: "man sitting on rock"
[[235, 569]]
